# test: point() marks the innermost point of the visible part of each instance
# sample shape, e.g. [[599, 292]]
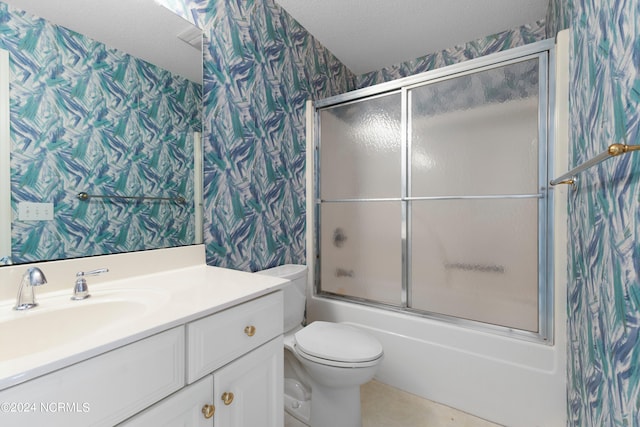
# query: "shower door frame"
[[544, 51]]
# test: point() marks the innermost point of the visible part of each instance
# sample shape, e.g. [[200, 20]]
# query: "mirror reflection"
[[85, 117]]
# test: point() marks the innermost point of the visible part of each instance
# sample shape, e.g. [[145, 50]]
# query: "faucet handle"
[[81, 290], [92, 272]]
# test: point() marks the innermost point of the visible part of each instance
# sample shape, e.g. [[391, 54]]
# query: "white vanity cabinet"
[[245, 393], [231, 360], [234, 370], [100, 391]]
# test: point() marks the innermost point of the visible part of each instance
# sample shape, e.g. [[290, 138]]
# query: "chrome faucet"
[[81, 290], [26, 297]]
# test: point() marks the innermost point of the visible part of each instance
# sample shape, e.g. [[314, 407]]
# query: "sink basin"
[[58, 321]]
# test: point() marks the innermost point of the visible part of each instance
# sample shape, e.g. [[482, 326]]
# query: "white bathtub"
[[504, 380]]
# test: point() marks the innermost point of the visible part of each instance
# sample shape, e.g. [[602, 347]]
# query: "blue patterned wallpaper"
[[494, 43], [604, 214], [85, 117], [260, 68], [559, 16]]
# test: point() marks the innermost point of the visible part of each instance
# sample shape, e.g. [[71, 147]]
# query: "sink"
[[58, 321]]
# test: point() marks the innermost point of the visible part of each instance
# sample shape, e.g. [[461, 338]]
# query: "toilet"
[[325, 362]]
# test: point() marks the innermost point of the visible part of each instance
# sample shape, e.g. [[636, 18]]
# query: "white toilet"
[[325, 363]]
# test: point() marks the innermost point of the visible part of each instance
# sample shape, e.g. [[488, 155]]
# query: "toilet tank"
[[294, 295]]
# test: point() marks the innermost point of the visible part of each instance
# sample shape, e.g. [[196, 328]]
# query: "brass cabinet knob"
[[208, 411], [250, 330], [227, 397]]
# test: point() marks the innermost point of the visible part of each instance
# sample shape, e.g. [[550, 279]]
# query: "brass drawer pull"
[[227, 397], [250, 330], [208, 411]]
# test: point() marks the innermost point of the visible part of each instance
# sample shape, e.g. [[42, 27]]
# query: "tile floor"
[[385, 406]]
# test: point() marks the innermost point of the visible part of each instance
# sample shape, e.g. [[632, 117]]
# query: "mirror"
[[90, 116]]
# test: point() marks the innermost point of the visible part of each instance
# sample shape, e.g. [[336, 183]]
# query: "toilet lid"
[[339, 342]]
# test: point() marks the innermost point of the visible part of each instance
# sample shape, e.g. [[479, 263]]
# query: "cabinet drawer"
[[104, 390], [218, 339]]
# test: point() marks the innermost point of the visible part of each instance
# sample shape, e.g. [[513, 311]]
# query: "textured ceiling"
[[139, 27], [367, 35]]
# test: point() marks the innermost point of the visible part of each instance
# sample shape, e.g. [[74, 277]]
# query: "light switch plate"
[[30, 211]]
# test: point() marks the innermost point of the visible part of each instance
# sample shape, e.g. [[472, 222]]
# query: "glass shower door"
[[473, 195], [432, 196], [360, 209]]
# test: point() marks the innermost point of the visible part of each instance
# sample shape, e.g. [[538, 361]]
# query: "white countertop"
[[179, 296]]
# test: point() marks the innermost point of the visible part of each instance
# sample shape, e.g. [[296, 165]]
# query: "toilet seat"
[[336, 344]]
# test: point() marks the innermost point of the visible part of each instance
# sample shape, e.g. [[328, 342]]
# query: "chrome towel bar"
[[85, 196], [612, 151]]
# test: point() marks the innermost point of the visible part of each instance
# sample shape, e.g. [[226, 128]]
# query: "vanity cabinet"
[[231, 360], [234, 370], [103, 390], [245, 393]]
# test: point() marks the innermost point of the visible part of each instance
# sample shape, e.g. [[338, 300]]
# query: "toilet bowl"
[[325, 363]]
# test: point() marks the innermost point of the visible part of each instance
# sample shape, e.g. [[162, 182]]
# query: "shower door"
[[432, 197], [361, 209], [473, 195]]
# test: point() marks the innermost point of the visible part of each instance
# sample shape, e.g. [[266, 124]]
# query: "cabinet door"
[[249, 391], [182, 409]]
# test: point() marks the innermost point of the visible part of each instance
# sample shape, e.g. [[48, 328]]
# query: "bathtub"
[[504, 380]]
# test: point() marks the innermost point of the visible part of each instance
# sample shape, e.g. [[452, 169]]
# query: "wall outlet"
[[29, 211]]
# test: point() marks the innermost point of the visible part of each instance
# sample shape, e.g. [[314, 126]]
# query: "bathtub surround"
[[85, 117], [604, 220]]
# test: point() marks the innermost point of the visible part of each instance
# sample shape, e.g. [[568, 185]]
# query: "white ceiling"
[[367, 35], [141, 28]]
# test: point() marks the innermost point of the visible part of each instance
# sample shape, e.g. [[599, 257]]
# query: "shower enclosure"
[[431, 195]]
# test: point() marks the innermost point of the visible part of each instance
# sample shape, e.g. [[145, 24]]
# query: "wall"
[[493, 43], [260, 68], [85, 117], [604, 220]]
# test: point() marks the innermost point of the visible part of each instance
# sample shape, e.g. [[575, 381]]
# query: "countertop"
[[179, 296]]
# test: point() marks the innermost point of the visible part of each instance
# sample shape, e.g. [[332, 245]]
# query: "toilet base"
[[297, 400], [298, 409]]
